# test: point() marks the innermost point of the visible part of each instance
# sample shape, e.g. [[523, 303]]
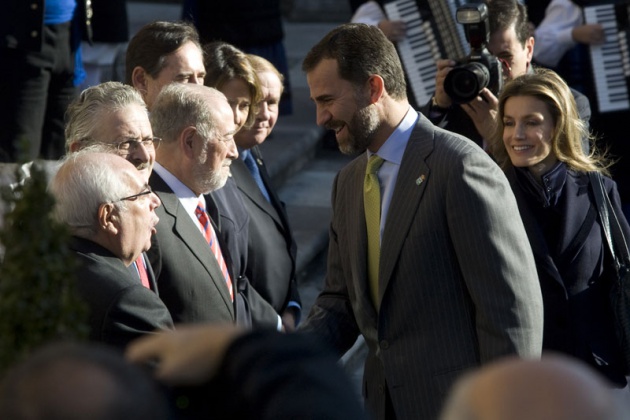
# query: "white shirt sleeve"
[[553, 36], [369, 13]]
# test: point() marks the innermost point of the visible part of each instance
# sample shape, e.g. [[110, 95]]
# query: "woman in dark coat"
[[538, 144]]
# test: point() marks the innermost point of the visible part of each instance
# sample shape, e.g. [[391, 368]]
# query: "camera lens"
[[464, 83]]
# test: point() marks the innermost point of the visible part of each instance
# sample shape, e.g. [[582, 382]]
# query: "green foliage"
[[38, 298]]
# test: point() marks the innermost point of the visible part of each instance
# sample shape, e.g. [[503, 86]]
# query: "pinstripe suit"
[[458, 283]]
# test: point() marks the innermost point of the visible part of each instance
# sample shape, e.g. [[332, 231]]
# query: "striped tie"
[[142, 272], [211, 238], [372, 206]]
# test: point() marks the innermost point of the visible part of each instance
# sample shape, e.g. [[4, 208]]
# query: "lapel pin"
[[420, 180]]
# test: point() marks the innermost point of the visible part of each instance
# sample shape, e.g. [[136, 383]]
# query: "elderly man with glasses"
[[110, 210], [114, 115]]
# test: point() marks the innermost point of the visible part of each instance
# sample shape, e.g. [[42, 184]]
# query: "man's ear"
[[108, 218], [376, 85], [139, 80], [186, 141]]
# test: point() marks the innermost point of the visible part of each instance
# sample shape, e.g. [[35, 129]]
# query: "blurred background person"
[[372, 13], [104, 57], [554, 388], [41, 67], [538, 144], [563, 43], [78, 381], [253, 26]]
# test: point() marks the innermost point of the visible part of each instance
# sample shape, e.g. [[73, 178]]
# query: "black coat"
[[574, 275], [121, 308]]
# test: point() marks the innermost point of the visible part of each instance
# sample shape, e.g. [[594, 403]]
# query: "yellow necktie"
[[372, 206]]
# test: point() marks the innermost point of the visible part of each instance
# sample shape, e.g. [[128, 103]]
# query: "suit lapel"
[[413, 177], [185, 229], [248, 186]]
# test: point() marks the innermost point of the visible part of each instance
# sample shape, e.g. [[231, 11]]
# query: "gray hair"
[[83, 182], [83, 113], [181, 105]]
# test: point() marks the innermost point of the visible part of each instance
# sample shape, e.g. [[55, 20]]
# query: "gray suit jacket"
[[190, 281], [458, 284]]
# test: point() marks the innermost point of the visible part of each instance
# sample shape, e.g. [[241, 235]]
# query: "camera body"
[[479, 69]]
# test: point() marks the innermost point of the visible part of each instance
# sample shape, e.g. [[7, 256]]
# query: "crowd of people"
[[465, 245]]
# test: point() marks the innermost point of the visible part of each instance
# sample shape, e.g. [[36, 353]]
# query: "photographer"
[[512, 43]]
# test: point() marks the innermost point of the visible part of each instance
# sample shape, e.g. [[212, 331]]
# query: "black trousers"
[[35, 90]]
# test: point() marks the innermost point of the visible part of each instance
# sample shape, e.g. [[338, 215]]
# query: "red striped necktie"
[[142, 271], [211, 238]]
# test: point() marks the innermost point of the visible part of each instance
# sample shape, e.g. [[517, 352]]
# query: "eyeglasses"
[[130, 145], [147, 190]]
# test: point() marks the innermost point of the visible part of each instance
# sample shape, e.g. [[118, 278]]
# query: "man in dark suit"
[[197, 127], [110, 210], [271, 250], [432, 266]]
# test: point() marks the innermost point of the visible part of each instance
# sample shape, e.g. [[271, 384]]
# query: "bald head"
[[554, 388], [78, 381]]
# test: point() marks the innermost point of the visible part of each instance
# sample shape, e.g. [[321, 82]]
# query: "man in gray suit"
[[451, 283], [197, 128]]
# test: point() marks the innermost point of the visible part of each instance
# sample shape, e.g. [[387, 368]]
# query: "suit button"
[[34, 34], [384, 345]]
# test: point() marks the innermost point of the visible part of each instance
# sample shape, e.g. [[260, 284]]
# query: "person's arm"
[[331, 317], [560, 30], [371, 13], [495, 258], [262, 374]]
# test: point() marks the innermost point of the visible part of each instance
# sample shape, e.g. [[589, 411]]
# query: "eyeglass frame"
[[146, 191], [133, 143]]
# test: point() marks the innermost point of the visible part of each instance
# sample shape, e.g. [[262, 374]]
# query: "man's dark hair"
[[69, 381], [360, 51], [153, 43], [503, 13]]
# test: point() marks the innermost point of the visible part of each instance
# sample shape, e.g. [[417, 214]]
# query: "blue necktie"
[[248, 159]]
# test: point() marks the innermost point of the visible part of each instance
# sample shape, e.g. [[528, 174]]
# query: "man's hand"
[[288, 319], [591, 34], [443, 68], [483, 112], [187, 356], [394, 30]]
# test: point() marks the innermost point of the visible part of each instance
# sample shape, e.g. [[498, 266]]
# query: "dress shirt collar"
[[394, 147], [186, 196]]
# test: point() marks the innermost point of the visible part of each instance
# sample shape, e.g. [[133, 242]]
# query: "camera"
[[479, 69]]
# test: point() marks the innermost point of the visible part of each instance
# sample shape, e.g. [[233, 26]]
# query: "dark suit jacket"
[[458, 285], [190, 281], [575, 277], [228, 207], [271, 249], [121, 308]]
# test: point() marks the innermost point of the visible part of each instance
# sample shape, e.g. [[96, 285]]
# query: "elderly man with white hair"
[[110, 210]]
